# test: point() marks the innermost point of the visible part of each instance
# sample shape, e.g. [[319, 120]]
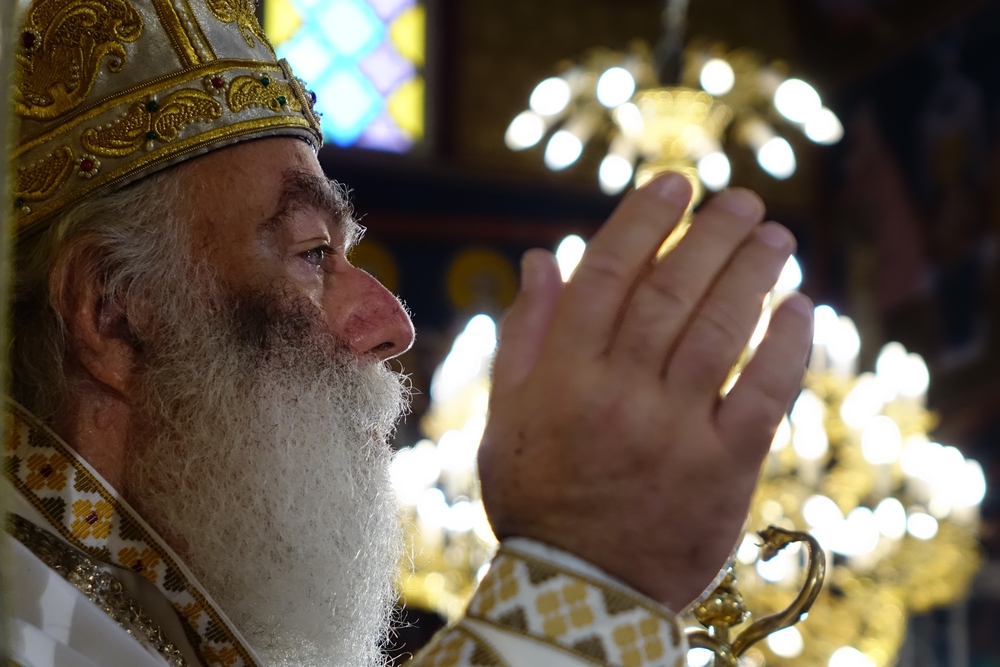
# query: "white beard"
[[262, 457]]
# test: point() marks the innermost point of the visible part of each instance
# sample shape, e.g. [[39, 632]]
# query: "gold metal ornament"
[[724, 609]]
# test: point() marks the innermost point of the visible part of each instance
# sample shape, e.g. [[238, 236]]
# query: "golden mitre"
[[109, 91]]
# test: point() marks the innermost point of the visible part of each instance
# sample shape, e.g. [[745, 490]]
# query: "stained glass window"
[[363, 59]]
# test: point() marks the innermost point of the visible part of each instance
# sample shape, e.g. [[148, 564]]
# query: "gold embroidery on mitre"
[[69, 41], [41, 180], [151, 121], [247, 91], [243, 12]]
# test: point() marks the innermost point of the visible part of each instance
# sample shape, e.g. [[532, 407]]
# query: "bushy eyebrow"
[[305, 190]]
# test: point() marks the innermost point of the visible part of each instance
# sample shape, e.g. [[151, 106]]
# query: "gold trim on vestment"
[[83, 486]]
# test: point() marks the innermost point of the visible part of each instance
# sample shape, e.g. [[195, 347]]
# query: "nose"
[[371, 320]]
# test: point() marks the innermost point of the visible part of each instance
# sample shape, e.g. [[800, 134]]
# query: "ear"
[[99, 331]]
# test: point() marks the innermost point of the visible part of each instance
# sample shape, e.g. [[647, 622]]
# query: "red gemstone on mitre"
[[28, 39], [217, 82], [86, 165]]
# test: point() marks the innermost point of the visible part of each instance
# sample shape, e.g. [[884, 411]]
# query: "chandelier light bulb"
[[717, 77], [786, 643], [973, 487], [922, 526], [526, 130], [825, 325], [824, 127], [615, 173], [846, 344], [461, 517], [866, 400], [568, 255], [791, 276], [615, 87], [629, 119], [810, 443], [916, 378], [551, 96], [797, 101], [861, 534], [748, 551], [891, 518], [777, 158], [563, 149], [881, 442], [891, 363], [821, 512], [699, 657], [808, 410], [433, 508], [714, 171], [848, 656]]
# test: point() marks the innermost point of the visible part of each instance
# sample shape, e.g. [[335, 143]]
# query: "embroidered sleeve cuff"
[[556, 599]]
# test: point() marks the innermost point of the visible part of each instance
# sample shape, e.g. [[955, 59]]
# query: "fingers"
[[726, 319], [751, 412], [614, 259], [664, 300], [527, 323]]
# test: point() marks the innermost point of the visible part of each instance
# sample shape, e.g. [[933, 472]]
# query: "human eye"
[[317, 255]]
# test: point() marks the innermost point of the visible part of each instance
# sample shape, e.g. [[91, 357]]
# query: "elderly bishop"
[[197, 441]]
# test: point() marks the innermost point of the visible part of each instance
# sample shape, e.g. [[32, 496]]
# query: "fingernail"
[[801, 304], [530, 275], [673, 187], [743, 203], [775, 236]]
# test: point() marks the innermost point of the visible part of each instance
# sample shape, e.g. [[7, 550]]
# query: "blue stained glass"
[[309, 54], [350, 26], [389, 8], [348, 103], [385, 68], [383, 134], [344, 50]]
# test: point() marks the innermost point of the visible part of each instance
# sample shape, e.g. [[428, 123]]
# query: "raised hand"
[[607, 435]]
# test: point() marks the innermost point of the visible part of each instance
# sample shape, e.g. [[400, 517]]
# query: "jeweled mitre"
[[109, 91]]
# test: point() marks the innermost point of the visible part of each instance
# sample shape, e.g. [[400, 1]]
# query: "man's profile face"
[[260, 409], [262, 216]]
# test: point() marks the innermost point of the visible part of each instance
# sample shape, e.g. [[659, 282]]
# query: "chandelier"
[[852, 464], [714, 98]]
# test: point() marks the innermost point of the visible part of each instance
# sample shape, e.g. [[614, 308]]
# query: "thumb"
[[524, 329]]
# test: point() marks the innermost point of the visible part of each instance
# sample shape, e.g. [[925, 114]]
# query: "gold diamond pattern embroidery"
[[457, 647], [499, 586], [91, 519], [47, 472], [143, 563], [564, 609], [593, 620], [639, 643]]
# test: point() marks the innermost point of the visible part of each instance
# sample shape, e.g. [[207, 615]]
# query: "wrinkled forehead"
[[241, 194]]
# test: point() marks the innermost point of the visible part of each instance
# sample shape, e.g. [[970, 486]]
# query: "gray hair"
[[133, 237]]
